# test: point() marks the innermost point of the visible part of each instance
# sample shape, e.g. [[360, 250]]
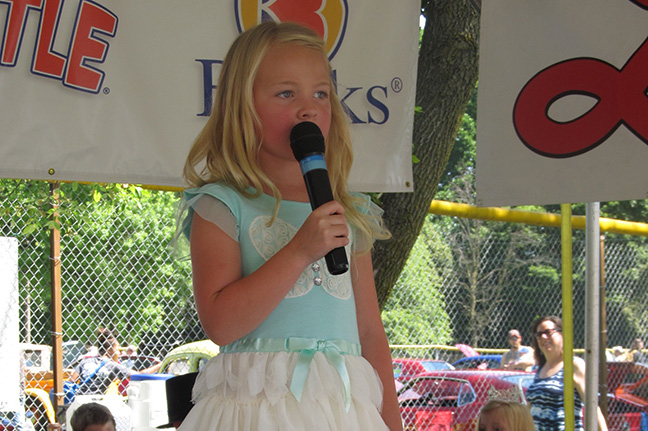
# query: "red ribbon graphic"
[[620, 94]]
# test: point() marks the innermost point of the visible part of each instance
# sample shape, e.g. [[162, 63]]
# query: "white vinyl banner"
[[562, 108], [117, 90]]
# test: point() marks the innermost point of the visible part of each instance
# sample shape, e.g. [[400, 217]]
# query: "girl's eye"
[[321, 95], [285, 94]]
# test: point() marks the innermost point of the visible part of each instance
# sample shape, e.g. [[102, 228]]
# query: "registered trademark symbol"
[[106, 90], [397, 85]]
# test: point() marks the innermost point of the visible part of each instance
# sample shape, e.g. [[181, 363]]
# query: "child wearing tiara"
[[302, 349], [505, 411], [500, 415]]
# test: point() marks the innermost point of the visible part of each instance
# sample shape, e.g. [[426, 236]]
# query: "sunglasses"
[[547, 333]]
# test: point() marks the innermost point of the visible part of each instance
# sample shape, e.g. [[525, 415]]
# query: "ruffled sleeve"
[[215, 211], [203, 202], [362, 241]]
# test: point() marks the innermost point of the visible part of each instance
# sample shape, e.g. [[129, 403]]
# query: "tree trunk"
[[447, 73]]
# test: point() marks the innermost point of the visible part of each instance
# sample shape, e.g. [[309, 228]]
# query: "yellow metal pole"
[[567, 318], [532, 217]]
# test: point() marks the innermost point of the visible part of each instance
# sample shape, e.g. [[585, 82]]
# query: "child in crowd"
[[92, 417], [302, 349], [89, 417], [499, 415]]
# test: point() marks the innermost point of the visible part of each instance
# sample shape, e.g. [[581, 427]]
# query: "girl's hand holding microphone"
[[324, 230]]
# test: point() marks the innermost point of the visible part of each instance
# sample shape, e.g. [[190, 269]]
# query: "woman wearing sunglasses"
[[546, 392]]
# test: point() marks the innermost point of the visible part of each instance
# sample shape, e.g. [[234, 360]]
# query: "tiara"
[[510, 395]]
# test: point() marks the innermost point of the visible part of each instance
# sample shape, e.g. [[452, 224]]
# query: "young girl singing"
[[301, 349]]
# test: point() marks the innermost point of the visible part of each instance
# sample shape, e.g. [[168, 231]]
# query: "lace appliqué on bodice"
[[269, 240]]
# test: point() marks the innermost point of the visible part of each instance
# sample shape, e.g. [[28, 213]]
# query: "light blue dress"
[[302, 368]]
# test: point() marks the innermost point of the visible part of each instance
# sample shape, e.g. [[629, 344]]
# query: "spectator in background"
[[96, 373], [131, 356], [619, 354], [518, 357], [546, 393], [90, 351], [636, 351], [89, 417]]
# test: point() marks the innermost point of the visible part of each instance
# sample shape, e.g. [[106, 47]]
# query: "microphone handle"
[[319, 192]]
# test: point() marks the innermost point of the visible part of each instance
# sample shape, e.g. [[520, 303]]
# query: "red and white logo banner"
[[117, 90], [563, 109]]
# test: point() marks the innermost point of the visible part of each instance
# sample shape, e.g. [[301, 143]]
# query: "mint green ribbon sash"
[[307, 348]]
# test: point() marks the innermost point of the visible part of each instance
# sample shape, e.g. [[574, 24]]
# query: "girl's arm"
[[231, 306], [579, 383], [375, 348]]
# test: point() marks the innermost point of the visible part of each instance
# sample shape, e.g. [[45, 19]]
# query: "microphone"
[[307, 144]]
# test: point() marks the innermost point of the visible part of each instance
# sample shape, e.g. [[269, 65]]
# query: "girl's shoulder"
[[233, 198], [218, 190], [213, 201]]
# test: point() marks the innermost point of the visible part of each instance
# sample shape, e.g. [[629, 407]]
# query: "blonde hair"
[[515, 415], [228, 145]]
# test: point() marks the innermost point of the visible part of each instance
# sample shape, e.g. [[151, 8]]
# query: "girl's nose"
[[307, 111]]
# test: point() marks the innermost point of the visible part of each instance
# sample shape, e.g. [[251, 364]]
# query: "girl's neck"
[[289, 180], [290, 191]]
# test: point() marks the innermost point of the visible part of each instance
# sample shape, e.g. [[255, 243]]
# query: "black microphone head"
[[305, 139]]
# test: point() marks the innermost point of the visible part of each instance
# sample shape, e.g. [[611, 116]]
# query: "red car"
[[628, 395], [452, 399], [405, 369], [623, 416]]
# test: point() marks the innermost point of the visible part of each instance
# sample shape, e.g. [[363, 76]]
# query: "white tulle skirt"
[[251, 392]]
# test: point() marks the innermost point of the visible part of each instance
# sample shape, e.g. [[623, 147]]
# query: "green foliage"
[[633, 210], [117, 268], [545, 274], [415, 312], [630, 298], [138, 223], [487, 256]]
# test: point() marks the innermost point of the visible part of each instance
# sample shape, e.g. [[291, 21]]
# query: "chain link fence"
[[473, 289], [467, 283]]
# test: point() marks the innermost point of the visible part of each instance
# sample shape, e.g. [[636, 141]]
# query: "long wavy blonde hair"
[[227, 147]]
